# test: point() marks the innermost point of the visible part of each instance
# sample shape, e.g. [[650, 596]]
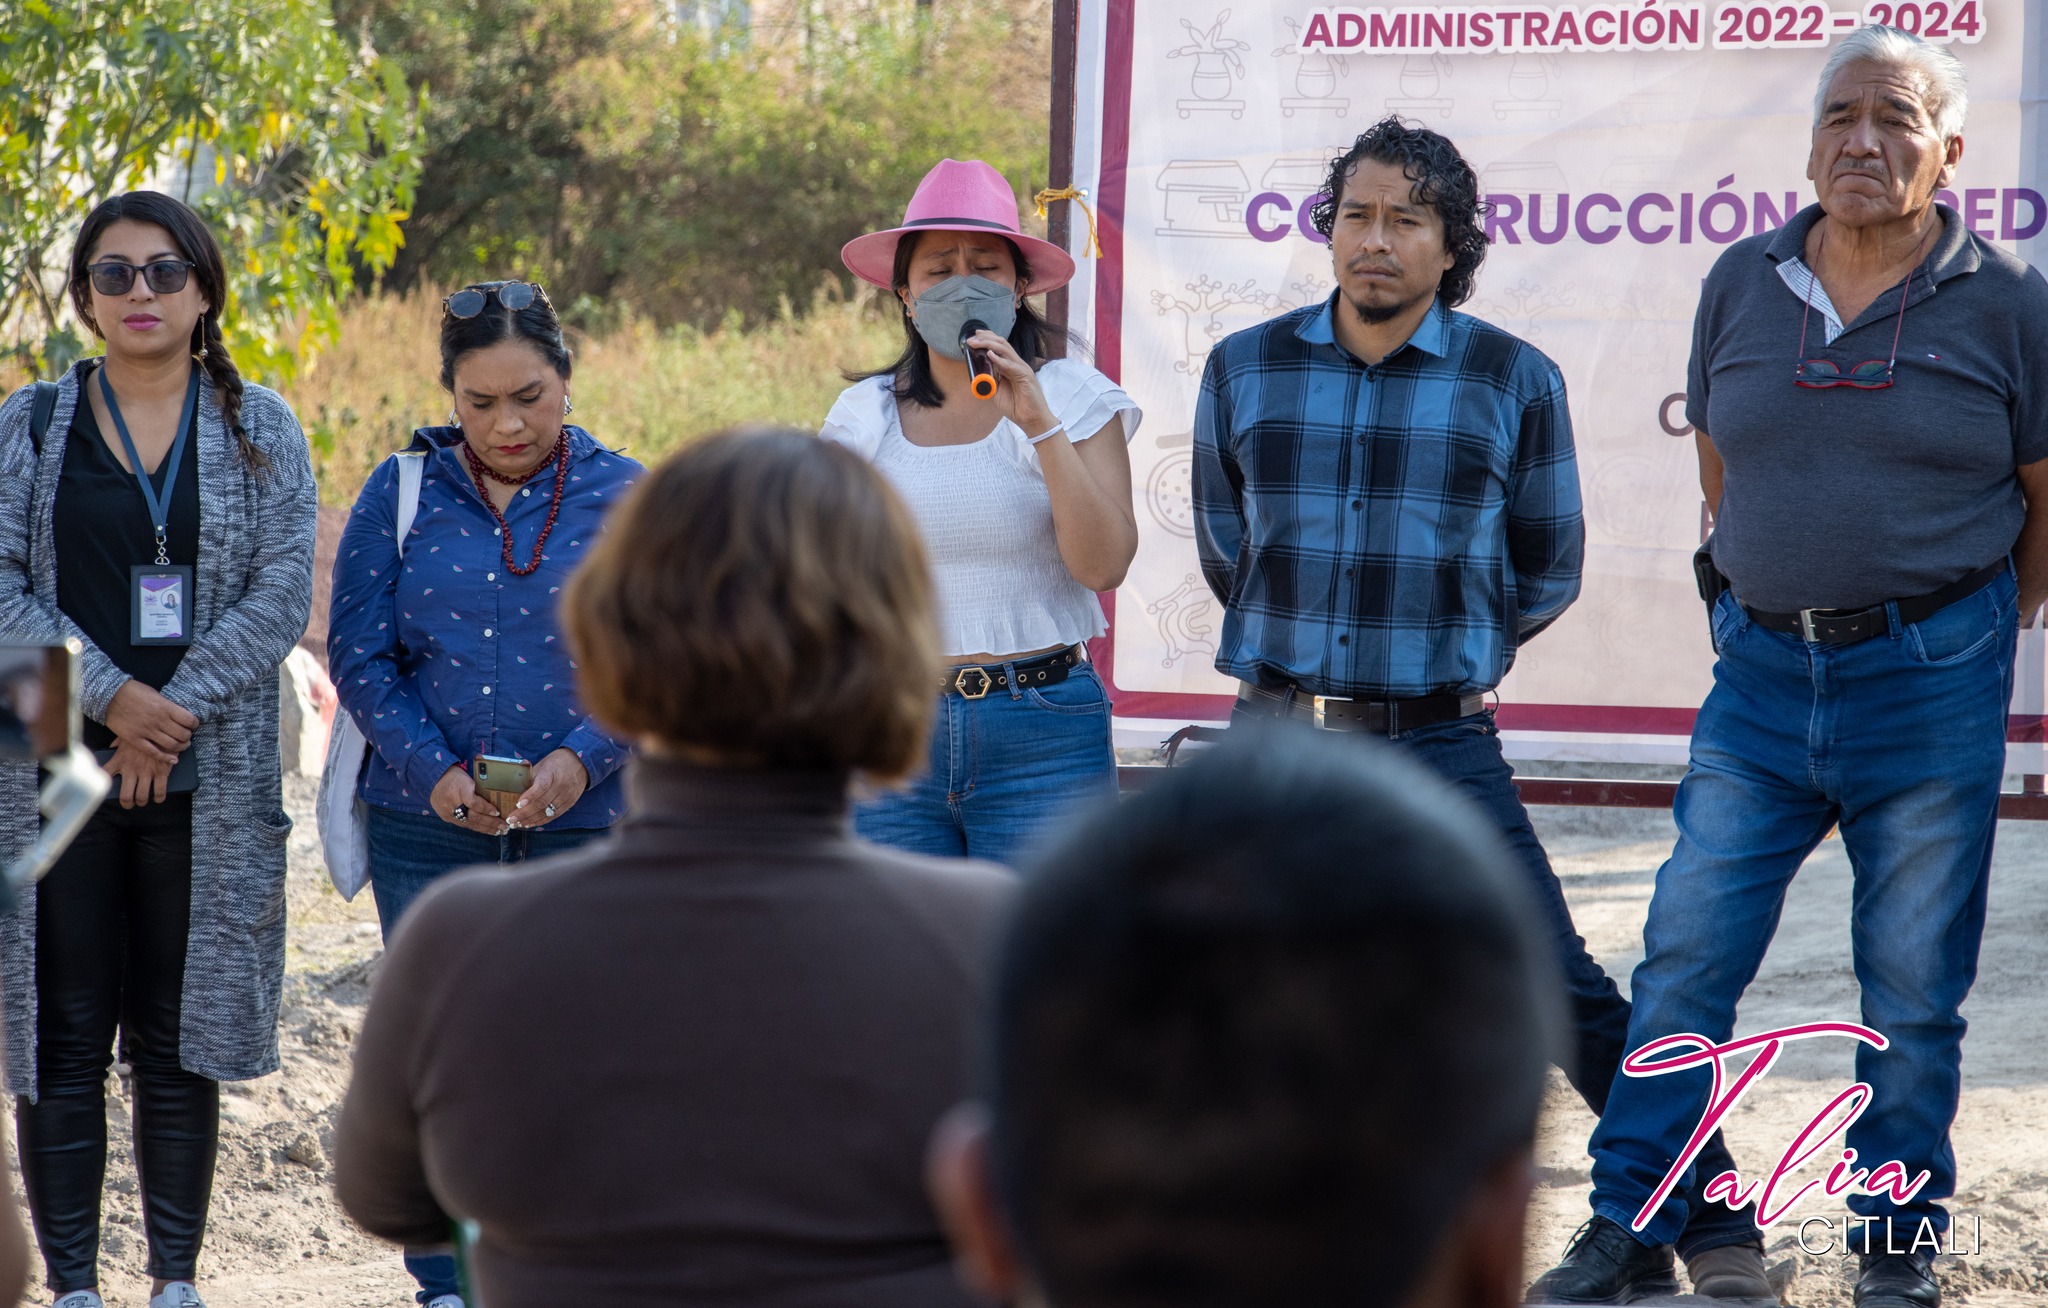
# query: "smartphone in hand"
[[500, 779]]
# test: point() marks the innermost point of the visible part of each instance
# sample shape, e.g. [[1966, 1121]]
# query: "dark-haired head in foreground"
[[1272, 1033]]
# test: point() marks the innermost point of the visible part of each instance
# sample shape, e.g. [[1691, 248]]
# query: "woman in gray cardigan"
[[165, 920]]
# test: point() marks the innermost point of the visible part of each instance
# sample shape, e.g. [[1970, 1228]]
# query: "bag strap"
[[410, 466], [1198, 737], [40, 416]]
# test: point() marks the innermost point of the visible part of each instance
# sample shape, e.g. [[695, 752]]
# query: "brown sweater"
[[696, 1063]]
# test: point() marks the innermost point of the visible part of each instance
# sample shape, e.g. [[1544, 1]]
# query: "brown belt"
[[1380, 717], [973, 680]]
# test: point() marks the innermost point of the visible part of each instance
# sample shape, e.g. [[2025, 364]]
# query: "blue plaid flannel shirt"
[[1384, 531]]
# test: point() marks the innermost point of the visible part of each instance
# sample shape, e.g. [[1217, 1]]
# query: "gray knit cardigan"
[[253, 591]]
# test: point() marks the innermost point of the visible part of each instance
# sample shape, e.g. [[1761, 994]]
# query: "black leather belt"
[[1381, 717], [973, 680], [1847, 626]]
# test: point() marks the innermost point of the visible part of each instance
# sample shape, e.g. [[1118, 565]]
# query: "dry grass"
[[639, 387]]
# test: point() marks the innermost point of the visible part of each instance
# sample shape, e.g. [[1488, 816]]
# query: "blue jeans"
[[1000, 768], [435, 1271], [1467, 754], [1901, 740], [410, 851]]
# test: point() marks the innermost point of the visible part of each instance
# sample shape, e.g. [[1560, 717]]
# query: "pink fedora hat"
[[958, 197]]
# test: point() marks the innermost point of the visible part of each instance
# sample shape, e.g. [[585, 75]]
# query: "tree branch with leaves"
[[314, 145]]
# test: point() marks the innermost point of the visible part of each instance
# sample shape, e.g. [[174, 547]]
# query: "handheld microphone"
[[984, 378]]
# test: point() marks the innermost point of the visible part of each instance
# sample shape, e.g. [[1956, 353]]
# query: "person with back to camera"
[[159, 474], [1024, 500], [445, 646], [1869, 392], [698, 1063], [1271, 1034]]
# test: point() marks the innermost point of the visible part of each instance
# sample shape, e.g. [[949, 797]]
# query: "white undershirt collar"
[[1808, 288]]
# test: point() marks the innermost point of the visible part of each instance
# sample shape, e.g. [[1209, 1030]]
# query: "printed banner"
[[1624, 145]]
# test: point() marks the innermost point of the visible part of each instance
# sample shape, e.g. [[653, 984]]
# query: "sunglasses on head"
[[163, 276], [470, 300]]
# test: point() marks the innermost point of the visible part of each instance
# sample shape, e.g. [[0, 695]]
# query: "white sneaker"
[[445, 1301], [80, 1299], [178, 1294]]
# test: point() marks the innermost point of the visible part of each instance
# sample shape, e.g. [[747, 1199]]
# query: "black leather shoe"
[[1897, 1280], [1604, 1263]]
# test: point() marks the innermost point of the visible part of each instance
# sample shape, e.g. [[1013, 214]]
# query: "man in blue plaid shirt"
[[1387, 505]]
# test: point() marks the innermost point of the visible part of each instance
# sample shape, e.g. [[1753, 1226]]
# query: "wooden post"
[[1066, 25]]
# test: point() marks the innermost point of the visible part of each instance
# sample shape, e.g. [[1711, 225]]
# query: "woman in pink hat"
[[1023, 496]]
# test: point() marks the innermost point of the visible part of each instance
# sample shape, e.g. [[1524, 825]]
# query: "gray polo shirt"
[[1843, 498]]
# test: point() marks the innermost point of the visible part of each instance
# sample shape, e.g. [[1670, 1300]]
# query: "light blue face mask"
[[944, 309]]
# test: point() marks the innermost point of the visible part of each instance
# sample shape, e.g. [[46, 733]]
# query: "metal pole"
[[1066, 23]]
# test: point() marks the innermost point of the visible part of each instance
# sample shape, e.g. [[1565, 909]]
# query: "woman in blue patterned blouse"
[[445, 645]]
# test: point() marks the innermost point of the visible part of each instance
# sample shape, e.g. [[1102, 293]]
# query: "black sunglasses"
[[470, 300], [164, 276]]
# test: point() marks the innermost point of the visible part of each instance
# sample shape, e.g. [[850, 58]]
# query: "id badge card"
[[160, 604]]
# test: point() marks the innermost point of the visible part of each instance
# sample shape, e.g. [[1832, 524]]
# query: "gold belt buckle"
[[960, 682]]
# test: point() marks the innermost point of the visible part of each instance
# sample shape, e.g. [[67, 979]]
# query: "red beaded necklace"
[[478, 470]]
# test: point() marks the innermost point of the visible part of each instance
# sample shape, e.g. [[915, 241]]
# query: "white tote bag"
[[344, 837]]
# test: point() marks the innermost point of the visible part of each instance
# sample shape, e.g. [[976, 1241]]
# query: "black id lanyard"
[[159, 594]]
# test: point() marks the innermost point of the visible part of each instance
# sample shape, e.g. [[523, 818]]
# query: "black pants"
[[1466, 752], [111, 920]]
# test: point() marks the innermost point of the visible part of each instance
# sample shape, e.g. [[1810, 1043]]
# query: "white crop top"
[[985, 513]]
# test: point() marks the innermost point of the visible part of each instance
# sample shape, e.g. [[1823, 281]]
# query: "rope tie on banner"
[[1076, 194]]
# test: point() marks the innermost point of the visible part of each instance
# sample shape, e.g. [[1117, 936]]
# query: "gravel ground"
[[276, 1235], [1608, 860]]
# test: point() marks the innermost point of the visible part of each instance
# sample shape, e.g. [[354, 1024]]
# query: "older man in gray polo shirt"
[[1874, 377]]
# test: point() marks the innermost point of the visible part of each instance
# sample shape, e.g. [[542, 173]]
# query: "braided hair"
[[195, 242]]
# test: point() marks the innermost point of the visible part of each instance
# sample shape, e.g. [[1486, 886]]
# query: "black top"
[[102, 530]]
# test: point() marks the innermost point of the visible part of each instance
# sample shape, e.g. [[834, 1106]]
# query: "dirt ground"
[[277, 1237], [1608, 860]]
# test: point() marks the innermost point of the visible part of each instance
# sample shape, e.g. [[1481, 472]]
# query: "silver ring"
[[461, 813], [549, 811]]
